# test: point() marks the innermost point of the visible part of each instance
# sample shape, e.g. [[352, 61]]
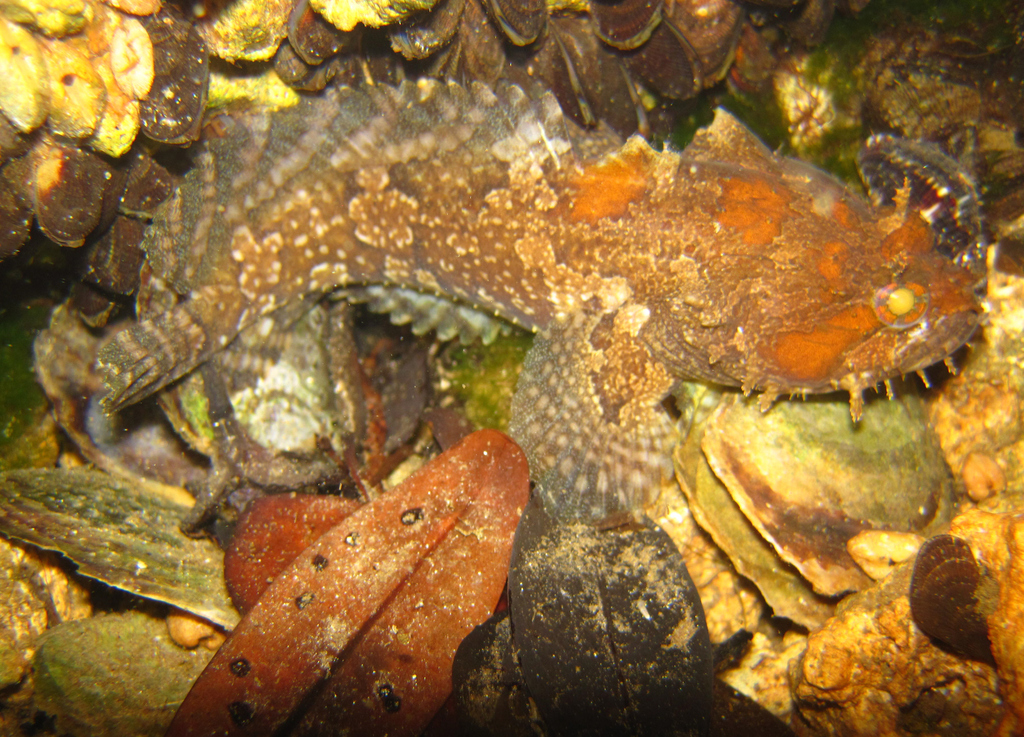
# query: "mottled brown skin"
[[641, 268]]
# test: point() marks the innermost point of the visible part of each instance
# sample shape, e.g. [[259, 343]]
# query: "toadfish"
[[637, 268]]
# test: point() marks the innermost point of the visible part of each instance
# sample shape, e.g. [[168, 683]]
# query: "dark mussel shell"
[[429, 33], [947, 592], [625, 24], [940, 189], [172, 112], [609, 628], [521, 20]]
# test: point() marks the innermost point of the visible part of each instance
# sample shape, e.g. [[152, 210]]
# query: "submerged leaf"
[[382, 600], [273, 530]]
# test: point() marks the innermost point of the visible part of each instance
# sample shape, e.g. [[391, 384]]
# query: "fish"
[[638, 268]]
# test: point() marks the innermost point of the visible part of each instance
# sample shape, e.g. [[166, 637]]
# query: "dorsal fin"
[[728, 141]]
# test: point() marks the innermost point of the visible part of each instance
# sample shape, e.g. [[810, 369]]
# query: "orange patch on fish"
[[832, 261], [843, 215], [914, 236], [810, 356], [755, 208], [606, 189]]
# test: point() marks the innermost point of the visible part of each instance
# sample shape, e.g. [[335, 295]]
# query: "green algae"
[[483, 378], [23, 406]]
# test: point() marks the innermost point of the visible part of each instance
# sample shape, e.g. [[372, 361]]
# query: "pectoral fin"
[[587, 411]]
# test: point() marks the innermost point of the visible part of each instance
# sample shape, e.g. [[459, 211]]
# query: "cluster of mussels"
[[605, 61], [86, 80]]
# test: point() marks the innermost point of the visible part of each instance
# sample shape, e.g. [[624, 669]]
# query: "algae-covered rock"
[[115, 675]]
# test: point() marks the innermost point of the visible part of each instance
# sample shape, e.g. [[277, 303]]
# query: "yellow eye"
[[901, 305]]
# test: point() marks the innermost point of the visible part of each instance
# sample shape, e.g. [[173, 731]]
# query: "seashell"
[[940, 189], [25, 94], [68, 192], [131, 58], [521, 20], [139, 446], [119, 125], [711, 29], [782, 587], [15, 205], [77, 93], [609, 628], [12, 143], [172, 111], [811, 21], [115, 258], [490, 695], [947, 596], [667, 63], [601, 91], [311, 37], [808, 481], [135, 7], [246, 30], [347, 14], [117, 532], [478, 49], [422, 36], [54, 18], [625, 24], [293, 71]]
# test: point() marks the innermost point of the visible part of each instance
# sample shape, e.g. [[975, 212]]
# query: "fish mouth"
[[929, 344], [941, 339]]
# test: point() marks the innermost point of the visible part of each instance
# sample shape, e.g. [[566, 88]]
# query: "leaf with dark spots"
[[376, 604], [271, 533], [610, 630], [946, 596]]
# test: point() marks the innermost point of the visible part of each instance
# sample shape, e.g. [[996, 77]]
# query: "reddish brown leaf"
[[382, 599], [272, 532]]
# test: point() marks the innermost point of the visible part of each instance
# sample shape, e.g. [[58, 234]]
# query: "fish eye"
[[901, 305]]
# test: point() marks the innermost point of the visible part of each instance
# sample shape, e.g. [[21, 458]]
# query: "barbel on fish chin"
[[638, 268]]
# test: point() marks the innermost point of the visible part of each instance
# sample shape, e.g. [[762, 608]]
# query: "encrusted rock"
[[870, 671], [979, 411]]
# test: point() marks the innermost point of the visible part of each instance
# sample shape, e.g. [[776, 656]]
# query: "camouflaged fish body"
[[639, 268]]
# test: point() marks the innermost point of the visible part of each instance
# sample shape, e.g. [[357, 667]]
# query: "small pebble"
[[877, 552], [982, 476], [190, 631]]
